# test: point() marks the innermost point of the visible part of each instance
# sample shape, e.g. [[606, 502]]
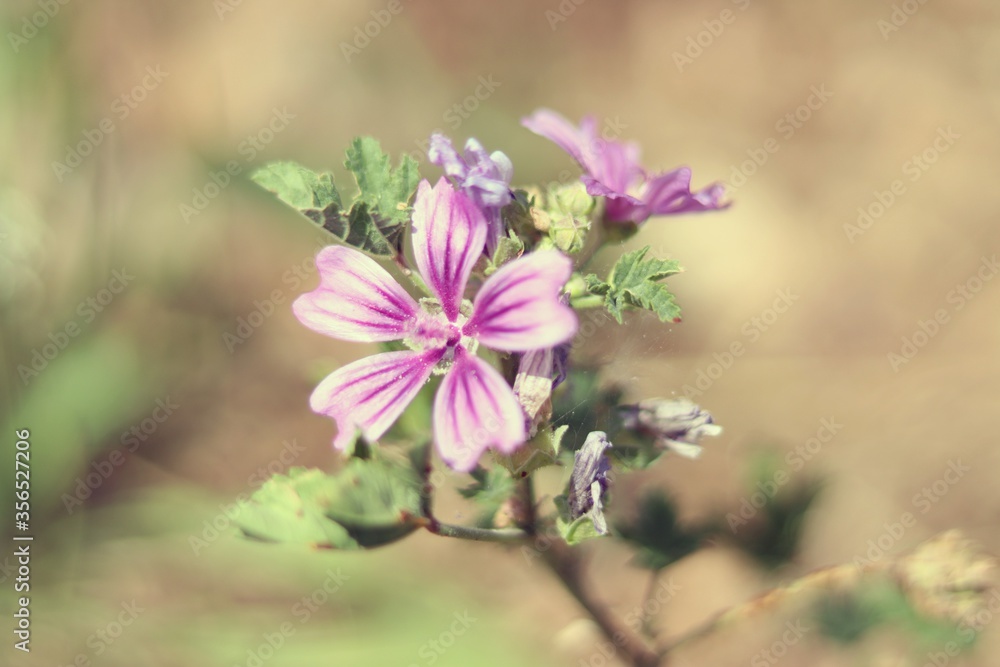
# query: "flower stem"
[[506, 535], [566, 565]]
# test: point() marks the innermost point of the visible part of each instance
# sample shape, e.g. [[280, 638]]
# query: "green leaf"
[[378, 215], [574, 531], [539, 452], [368, 503], [376, 501], [508, 249], [577, 531], [387, 191], [291, 508], [635, 281], [490, 489], [660, 538]]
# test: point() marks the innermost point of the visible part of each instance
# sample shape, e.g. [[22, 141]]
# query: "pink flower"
[[612, 170], [517, 309]]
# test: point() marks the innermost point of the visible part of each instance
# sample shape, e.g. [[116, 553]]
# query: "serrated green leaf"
[[368, 503], [387, 191], [635, 281], [311, 194], [376, 501], [291, 508], [378, 215], [299, 187]]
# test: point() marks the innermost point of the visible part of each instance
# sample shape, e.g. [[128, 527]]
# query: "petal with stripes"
[[448, 232], [370, 394], [518, 307], [475, 409], [357, 300]]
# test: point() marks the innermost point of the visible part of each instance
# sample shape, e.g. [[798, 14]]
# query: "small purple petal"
[[371, 393], [442, 153], [590, 480], [612, 170], [677, 424], [518, 308], [357, 300], [448, 232], [563, 133], [670, 193], [533, 384], [616, 165], [474, 410], [505, 168]]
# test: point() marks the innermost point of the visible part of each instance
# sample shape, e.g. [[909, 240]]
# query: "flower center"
[[433, 331]]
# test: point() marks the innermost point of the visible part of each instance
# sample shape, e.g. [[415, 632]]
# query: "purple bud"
[[590, 480], [677, 424]]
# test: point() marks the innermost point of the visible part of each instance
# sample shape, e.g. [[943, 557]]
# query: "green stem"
[[587, 301], [505, 535]]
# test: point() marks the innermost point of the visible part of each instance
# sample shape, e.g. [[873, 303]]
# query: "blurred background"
[[149, 347]]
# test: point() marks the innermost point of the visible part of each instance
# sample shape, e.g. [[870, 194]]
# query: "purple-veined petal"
[[518, 307], [616, 165], [560, 131], [489, 191], [448, 232], [356, 300], [371, 393], [670, 193], [474, 410], [442, 153]]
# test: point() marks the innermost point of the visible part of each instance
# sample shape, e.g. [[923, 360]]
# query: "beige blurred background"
[[188, 88]]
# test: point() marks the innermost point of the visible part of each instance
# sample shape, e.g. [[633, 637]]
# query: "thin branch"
[[648, 618], [563, 561], [505, 535], [837, 577]]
